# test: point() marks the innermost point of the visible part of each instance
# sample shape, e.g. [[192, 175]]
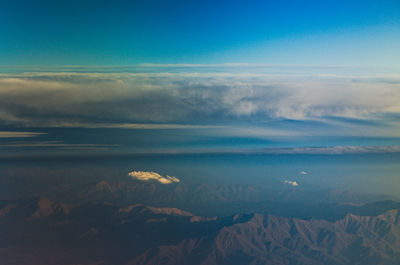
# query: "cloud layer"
[[171, 100], [148, 175]]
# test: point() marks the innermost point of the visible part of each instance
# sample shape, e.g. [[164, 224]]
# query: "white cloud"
[[303, 173], [290, 182], [148, 175]]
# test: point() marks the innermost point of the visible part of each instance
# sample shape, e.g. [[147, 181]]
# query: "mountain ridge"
[[143, 235]]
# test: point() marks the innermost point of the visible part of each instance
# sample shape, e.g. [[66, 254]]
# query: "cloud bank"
[[148, 175], [189, 99]]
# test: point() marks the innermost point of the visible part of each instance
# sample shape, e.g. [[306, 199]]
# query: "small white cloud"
[[303, 173], [148, 175], [290, 182]]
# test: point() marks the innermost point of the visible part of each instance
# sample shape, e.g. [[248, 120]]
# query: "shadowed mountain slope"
[[41, 231]]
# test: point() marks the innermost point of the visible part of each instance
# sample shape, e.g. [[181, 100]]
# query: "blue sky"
[[350, 33]]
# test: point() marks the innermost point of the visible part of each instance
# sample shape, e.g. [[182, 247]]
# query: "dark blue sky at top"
[[131, 32]]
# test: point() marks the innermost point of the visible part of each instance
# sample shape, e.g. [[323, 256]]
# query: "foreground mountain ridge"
[[104, 233], [266, 239]]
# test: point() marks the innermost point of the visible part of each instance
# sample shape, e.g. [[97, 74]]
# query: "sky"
[[291, 79], [339, 33]]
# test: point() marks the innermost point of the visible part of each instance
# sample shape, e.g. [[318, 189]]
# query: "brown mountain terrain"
[[277, 240], [41, 231]]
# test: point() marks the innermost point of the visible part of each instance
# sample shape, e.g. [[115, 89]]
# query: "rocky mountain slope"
[[277, 240], [41, 231]]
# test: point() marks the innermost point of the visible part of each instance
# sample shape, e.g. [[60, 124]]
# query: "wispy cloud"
[[148, 175], [333, 150], [144, 126], [13, 134], [55, 145]]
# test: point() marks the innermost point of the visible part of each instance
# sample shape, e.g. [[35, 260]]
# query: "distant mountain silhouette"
[[211, 199]]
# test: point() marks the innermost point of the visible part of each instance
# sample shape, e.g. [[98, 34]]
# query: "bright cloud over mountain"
[[146, 176]]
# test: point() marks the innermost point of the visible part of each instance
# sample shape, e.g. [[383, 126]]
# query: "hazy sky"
[[344, 33]]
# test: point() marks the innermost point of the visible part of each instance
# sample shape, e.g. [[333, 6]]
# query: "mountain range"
[[42, 231]]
